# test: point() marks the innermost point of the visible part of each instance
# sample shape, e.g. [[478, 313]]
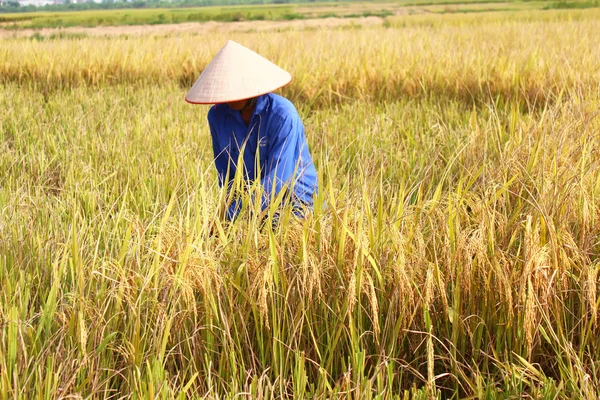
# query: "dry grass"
[[195, 28]]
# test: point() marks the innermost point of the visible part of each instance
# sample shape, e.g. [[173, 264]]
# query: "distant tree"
[[79, 5]]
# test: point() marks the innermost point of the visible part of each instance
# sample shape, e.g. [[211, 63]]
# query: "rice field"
[[453, 251], [45, 19]]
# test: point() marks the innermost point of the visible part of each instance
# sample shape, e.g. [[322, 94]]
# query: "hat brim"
[[240, 99], [236, 73]]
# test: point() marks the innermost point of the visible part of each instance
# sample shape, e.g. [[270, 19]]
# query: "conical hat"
[[236, 73]]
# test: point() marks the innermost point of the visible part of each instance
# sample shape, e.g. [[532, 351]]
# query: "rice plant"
[[453, 251]]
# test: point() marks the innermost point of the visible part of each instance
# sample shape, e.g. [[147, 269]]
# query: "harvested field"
[[198, 28]]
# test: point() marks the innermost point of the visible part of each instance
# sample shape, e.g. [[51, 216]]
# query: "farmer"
[[255, 131]]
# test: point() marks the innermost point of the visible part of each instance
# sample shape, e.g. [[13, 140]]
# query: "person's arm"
[[219, 157], [283, 157], [222, 166]]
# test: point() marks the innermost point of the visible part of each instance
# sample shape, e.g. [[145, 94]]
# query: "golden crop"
[[527, 61], [454, 248]]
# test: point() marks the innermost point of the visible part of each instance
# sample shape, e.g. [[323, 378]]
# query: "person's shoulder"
[[282, 109], [282, 106]]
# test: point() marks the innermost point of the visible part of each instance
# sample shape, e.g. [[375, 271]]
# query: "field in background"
[[454, 249], [158, 16]]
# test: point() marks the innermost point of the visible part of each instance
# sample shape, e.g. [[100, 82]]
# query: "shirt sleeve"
[[216, 147], [283, 157], [221, 165]]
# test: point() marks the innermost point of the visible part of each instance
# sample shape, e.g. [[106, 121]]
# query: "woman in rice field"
[[253, 127]]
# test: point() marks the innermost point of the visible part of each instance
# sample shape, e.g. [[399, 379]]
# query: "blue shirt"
[[276, 132]]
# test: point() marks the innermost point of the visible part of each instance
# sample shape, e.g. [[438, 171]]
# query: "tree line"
[[68, 5]]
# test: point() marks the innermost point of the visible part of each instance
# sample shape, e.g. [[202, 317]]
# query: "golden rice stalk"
[[429, 288], [401, 280], [530, 319], [352, 298], [372, 297], [591, 291]]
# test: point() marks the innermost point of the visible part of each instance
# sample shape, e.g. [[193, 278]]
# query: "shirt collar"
[[261, 104]]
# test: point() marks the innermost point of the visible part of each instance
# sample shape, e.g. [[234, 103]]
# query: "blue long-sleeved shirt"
[[275, 129]]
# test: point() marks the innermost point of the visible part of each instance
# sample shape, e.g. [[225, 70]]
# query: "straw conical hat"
[[236, 73]]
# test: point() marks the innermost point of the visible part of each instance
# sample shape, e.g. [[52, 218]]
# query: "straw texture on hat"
[[236, 73]]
